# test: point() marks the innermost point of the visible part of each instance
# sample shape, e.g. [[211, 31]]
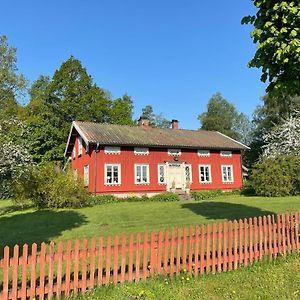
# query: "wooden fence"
[[56, 270]]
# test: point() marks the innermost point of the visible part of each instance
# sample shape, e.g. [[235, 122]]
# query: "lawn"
[[267, 280], [31, 225]]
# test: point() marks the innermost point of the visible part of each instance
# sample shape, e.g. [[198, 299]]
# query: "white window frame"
[[112, 150], [191, 172], [112, 165], [86, 175], [74, 152], [135, 173], [165, 173], [203, 153], [210, 175], [141, 151], [226, 179], [79, 146], [226, 153], [174, 152]]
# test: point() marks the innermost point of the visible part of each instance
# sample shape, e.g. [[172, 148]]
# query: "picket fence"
[[54, 270]]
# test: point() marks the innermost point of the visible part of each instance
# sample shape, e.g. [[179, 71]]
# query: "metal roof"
[[124, 135]]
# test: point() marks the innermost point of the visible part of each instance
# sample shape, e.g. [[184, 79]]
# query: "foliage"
[[283, 139], [121, 111], [277, 32], [49, 187], [278, 176], [155, 120], [165, 197], [222, 116], [205, 195]]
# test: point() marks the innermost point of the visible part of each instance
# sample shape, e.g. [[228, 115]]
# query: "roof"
[[124, 135]]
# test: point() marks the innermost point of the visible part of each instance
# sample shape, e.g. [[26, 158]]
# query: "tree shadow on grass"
[[225, 210], [36, 227]]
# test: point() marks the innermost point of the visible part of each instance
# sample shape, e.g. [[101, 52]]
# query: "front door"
[[175, 175]]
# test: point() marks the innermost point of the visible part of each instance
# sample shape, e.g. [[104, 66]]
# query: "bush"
[[205, 195], [275, 177], [102, 199], [49, 187], [165, 197]]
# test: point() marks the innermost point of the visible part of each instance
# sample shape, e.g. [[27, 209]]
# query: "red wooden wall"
[[127, 159]]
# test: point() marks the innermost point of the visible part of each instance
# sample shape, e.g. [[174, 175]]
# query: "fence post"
[[33, 271], [92, 263], [208, 261], [42, 272], [196, 251], [68, 260], [100, 262], [59, 269], [220, 247], [5, 273], [130, 258], [172, 249], [202, 250], [123, 258], [178, 255], [15, 266], [236, 258], [24, 272], [108, 254], [84, 266], [225, 236], [116, 259], [250, 241], [137, 256], [229, 245], [213, 250]]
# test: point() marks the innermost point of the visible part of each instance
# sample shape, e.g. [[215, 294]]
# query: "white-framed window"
[[174, 152], [227, 173], [112, 150], [205, 174], [188, 173], [86, 175], [112, 175], [226, 153], [203, 153], [141, 151], [162, 178], [74, 152], [141, 174], [79, 145]]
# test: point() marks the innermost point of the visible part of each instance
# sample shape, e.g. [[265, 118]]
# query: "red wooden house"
[[128, 160]]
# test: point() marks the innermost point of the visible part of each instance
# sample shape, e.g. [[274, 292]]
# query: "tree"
[[277, 32], [155, 120], [222, 116], [11, 83], [121, 111], [283, 139]]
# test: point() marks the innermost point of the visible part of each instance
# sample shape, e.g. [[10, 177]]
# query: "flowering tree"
[[14, 157], [284, 139]]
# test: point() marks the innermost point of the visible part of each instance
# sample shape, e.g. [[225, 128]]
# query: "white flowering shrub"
[[284, 139]]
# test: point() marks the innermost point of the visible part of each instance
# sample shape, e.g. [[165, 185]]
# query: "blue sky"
[[173, 55]]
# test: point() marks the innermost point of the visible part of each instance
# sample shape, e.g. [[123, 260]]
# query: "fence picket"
[[213, 247]]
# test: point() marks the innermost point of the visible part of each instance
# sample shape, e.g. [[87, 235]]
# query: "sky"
[[171, 54]]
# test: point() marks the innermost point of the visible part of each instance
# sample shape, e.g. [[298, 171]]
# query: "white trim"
[[191, 172], [175, 150], [74, 152], [232, 177], [119, 173], [86, 175], [112, 150], [141, 151], [80, 146], [205, 154], [233, 140], [226, 153], [165, 173], [135, 173], [209, 173]]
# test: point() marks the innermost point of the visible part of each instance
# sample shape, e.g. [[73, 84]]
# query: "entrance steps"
[[183, 195]]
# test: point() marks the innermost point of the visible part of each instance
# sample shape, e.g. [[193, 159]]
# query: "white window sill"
[[112, 184], [205, 182], [142, 183], [162, 183], [227, 182]]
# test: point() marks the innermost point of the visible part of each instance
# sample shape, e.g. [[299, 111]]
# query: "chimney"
[[143, 122], [175, 124]]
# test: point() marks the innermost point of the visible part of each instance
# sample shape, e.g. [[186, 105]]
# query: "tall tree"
[[277, 33], [155, 120], [222, 116], [11, 83], [121, 111]]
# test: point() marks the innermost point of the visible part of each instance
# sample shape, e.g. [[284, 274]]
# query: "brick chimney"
[[175, 124], [143, 122]]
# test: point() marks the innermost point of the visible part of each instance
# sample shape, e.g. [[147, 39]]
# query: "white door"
[[175, 175]]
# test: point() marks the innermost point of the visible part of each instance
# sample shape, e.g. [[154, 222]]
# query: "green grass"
[[267, 280], [31, 225]]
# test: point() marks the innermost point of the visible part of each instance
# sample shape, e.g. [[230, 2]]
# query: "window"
[[162, 174], [174, 152], [112, 174], [141, 151], [227, 174], [74, 152], [226, 153], [205, 174], [79, 145], [86, 175], [188, 173], [112, 150], [205, 153], [142, 174], [75, 173]]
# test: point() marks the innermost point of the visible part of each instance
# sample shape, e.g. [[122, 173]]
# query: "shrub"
[[275, 177], [102, 199], [165, 197], [49, 187], [205, 195]]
